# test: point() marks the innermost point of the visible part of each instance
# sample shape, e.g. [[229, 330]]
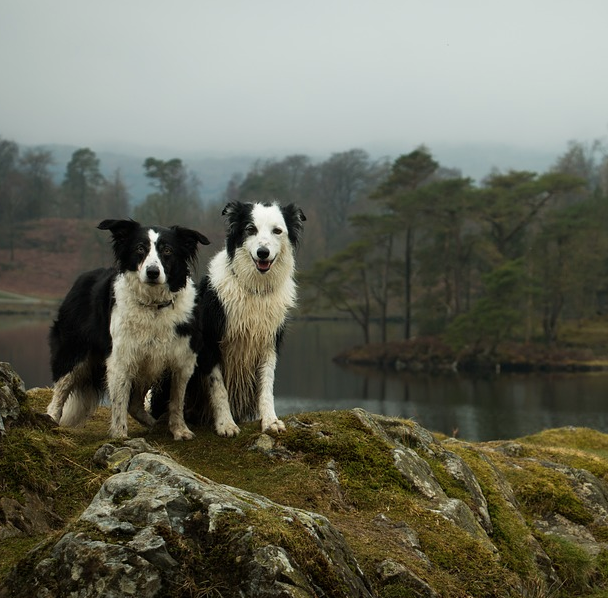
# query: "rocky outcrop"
[[362, 506], [155, 527], [14, 407], [12, 392]]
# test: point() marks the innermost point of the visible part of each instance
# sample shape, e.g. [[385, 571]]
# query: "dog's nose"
[[153, 272], [263, 253]]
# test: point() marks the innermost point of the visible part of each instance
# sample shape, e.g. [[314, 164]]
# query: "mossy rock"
[[342, 466]]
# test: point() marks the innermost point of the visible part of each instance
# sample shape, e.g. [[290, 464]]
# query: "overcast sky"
[[310, 76]]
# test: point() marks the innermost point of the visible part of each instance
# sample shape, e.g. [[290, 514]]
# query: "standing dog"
[[120, 329], [244, 304]]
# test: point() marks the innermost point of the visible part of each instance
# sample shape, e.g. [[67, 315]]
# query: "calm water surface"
[[497, 407]]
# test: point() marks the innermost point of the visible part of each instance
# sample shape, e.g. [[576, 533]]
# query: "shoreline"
[[431, 356], [18, 304]]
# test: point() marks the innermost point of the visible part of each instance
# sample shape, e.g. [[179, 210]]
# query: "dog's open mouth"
[[263, 265]]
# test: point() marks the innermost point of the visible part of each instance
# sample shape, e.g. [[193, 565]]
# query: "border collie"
[[120, 329], [245, 299]]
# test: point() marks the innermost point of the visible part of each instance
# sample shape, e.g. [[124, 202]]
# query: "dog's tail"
[[77, 393], [81, 404], [73, 401]]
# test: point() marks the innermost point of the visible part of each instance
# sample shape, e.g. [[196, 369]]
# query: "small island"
[[433, 356]]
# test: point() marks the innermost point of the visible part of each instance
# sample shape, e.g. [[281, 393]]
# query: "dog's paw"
[[227, 429], [183, 434], [55, 415], [118, 432], [275, 425], [148, 421], [145, 419]]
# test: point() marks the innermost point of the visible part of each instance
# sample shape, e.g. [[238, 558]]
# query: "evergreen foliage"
[[406, 240]]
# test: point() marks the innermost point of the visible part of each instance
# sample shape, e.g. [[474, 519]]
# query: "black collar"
[[162, 305]]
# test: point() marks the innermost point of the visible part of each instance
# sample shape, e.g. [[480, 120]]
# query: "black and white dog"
[[245, 299], [120, 329]]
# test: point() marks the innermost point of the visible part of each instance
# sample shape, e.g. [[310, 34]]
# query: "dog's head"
[[264, 231], [159, 255]]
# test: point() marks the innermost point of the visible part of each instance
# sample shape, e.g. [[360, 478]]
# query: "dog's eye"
[[277, 231], [251, 230], [141, 249], [166, 250]]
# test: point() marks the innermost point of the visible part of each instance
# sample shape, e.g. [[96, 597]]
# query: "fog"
[[310, 77]]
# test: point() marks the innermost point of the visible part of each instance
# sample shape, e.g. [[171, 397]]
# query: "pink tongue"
[[263, 265]]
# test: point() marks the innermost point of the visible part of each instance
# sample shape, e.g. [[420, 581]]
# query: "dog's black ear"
[[294, 217], [236, 213], [190, 239], [299, 213], [233, 208], [119, 227], [121, 230], [192, 235]]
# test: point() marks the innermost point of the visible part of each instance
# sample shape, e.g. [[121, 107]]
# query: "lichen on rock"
[[124, 544], [342, 504]]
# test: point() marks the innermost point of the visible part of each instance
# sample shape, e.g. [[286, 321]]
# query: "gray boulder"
[[12, 394], [423, 516], [156, 527]]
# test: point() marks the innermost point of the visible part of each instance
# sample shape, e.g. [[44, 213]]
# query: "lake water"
[[473, 408]]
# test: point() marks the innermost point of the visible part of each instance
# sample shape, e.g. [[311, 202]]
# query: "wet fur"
[[119, 329], [245, 304]]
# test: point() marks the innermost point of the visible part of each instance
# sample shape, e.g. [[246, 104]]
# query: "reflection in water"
[[505, 406], [473, 408], [24, 344], [497, 407]]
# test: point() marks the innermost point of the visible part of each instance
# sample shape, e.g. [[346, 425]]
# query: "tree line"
[[28, 190], [406, 240], [414, 242], [512, 257]]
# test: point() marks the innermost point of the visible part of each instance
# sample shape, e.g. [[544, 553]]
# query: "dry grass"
[[57, 464]]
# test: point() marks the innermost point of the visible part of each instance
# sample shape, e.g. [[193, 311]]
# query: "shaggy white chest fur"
[[144, 338], [256, 307]]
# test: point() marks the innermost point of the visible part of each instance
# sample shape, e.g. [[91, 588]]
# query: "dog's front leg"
[[220, 405], [270, 421], [119, 389], [177, 424]]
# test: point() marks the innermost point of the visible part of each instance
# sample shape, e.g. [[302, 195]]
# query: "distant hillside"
[[50, 253], [214, 172], [473, 160]]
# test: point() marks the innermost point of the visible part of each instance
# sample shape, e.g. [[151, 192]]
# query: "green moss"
[[236, 537], [508, 528], [543, 491], [573, 565], [200, 572], [273, 529], [19, 556], [473, 570], [396, 590], [57, 465], [364, 460], [584, 439], [49, 464], [601, 566], [599, 531], [13, 549], [122, 496], [451, 486]]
